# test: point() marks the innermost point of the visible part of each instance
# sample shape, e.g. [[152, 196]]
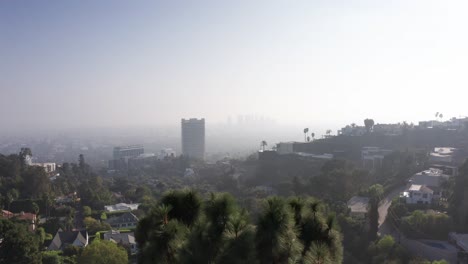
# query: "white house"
[[418, 194]]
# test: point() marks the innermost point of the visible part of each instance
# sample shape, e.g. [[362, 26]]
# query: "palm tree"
[[263, 144], [313, 135], [308, 138], [306, 130]]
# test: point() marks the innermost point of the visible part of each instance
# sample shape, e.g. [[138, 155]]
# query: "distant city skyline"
[[74, 64]]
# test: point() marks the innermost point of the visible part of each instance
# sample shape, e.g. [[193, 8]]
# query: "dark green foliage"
[[386, 250], [209, 237], [103, 252], [459, 201], [51, 257], [338, 181], [18, 244], [159, 237], [429, 225], [276, 238], [222, 233], [373, 218], [20, 181], [185, 206]]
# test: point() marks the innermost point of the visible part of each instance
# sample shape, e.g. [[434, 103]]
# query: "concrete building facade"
[[193, 138]]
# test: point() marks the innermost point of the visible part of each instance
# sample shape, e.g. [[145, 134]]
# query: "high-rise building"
[[193, 137]]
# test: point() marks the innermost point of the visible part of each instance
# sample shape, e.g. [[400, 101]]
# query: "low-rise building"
[[372, 157], [284, 148], [431, 177], [388, 129], [445, 155], [121, 207], [418, 194], [358, 206], [125, 239], [352, 131], [62, 239], [127, 220], [167, 153], [29, 218], [49, 167], [449, 170]]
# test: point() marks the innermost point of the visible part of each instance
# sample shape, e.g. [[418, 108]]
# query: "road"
[[385, 227], [386, 202]]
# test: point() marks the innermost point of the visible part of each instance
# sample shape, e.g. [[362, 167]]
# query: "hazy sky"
[[119, 63]]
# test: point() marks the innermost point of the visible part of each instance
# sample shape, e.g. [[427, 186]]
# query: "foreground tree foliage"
[[183, 228], [17, 244]]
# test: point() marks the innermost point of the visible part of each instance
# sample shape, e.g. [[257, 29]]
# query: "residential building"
[[62, 239], [431, 177], [446, 169], [418, 194], [126, 220], [48, 166], [352, 131], [125, 239], [121, 207], [372, 157], [193, 138], [445, 155], [460, 241], [128, 152], [324, 156], [358, 206], [166, 153], [122, 155], [29, 218], [284, 148], [388, 129]]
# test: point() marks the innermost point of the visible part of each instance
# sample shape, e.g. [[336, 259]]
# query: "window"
[[425, 195]]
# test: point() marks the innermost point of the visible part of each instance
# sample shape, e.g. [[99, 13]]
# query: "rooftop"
[[431, 172], [420, 188], [121, 207], [444, 151], [460, 239], [358, 204]]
